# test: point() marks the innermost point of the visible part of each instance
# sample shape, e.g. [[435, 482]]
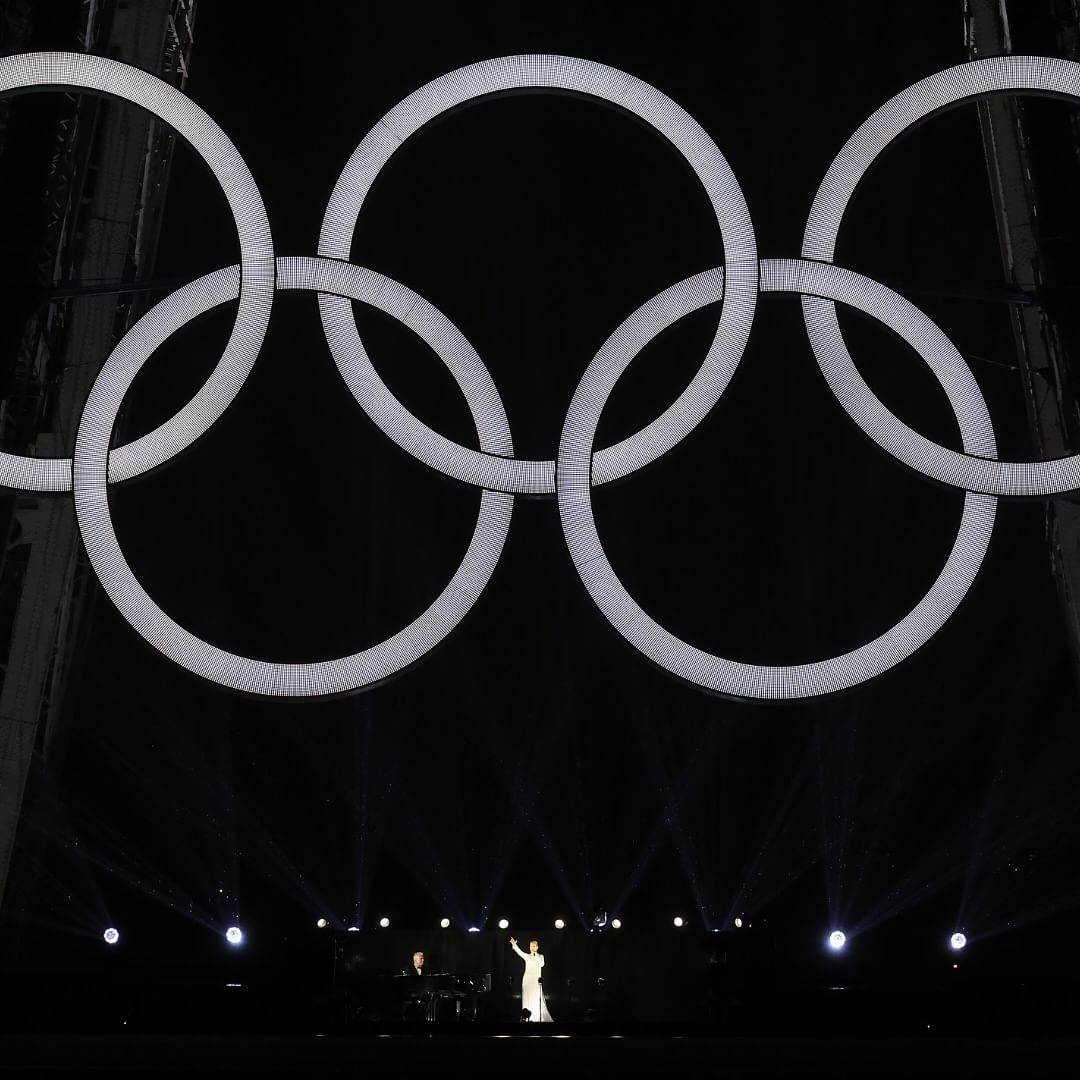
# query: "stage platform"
[[511, 1054], [678, 1012]]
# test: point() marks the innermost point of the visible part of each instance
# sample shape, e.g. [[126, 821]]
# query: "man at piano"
[[424, 995], [418, 1002]]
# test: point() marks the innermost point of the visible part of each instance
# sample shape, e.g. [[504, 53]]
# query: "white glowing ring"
[[190, 652], [80, 71], [970, 472], [608, 84], [729, 676]]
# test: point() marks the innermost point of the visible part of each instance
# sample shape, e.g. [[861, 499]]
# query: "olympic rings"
[[734, 286], [84, 72]]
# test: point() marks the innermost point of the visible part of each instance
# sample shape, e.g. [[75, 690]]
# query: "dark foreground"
[[513, 1054]]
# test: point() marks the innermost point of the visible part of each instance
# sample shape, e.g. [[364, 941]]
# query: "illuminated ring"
[[57, 70], [194, 654], [967, 471], [729, 676], [538, 72]]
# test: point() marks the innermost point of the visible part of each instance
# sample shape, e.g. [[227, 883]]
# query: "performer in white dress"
[[532, 991]]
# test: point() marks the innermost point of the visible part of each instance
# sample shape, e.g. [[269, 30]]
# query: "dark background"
[[535, 765]]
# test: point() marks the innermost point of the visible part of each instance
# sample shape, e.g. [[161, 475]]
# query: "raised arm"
[[513, 945]]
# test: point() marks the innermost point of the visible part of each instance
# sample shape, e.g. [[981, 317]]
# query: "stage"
[[146, 1025], [520, 1054]]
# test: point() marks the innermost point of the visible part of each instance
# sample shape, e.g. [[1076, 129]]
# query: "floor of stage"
[[514, 1053]]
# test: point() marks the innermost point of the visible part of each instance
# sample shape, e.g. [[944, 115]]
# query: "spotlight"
[[474, 929], [234, 935], [111, 936], [678, 921], [504, 924], [958, 941], [599, 919], [352, 929], [559, 924], [384, 922], [738, 922], [444, 923], [837, 940], [616, 924], [320, 923]]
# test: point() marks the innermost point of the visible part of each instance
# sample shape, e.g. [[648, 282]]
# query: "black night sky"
[[535, 765]]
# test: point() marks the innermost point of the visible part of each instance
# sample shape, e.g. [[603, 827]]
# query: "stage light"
[[384, 922], [234, 935], [559, 924], [352, 929], [111, 936], [599, 919], [738, 922], [504, 924], [320, 923], [837, 940], [444, 923], [958, 941], [474, 929], [678, 921], [616, 924]]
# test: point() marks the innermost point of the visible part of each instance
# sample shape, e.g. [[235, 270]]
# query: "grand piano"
[[445, 996], [450, 997], [368, 968]]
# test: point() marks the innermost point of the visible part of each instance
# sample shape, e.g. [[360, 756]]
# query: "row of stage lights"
[[837, 940], [444, 923], [234, 936]]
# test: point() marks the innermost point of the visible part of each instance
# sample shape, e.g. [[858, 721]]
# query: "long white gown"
[[532, 992]]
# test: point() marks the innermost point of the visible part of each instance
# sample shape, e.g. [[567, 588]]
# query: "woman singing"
[[532, 992]]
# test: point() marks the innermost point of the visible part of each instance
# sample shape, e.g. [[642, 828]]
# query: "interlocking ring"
[[79, 71], [714, 672], [125, 591], [734, 286], [967, 471], [606, 84]]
